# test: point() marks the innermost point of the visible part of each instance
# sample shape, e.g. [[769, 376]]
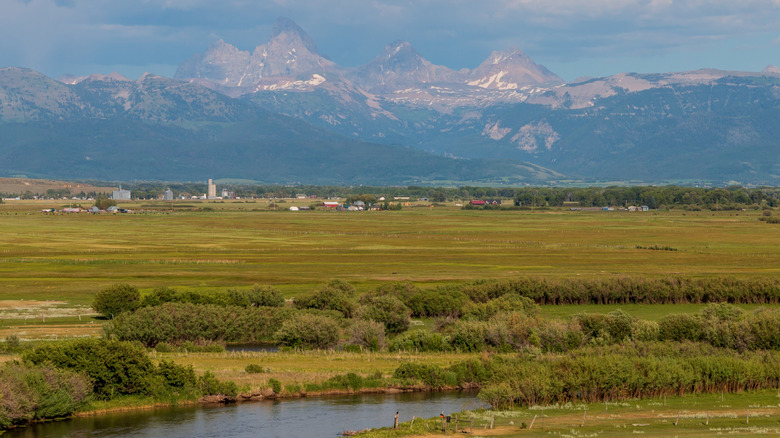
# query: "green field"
[[69, 257]]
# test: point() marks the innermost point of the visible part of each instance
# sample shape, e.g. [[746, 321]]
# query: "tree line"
[[723, 198]]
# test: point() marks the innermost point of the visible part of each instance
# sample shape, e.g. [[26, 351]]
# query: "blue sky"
[[570, 37]]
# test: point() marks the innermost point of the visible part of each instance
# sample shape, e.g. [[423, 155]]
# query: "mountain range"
[[284, 113]]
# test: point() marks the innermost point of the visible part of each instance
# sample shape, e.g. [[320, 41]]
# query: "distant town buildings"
[[212, 190], [227, 194], [120, 195]]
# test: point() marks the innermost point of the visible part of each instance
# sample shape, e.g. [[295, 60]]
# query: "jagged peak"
[[284, 25], [513, 53], [771, 69], [398, 46]]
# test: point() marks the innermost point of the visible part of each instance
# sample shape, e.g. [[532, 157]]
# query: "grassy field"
[[70, 257]]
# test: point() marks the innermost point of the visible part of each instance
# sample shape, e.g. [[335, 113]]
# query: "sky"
[[572, 38]]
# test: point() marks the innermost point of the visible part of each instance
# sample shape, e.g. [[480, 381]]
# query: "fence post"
[[411, 425], [532, 423], [492, 419], [678, 418], [583, 418]]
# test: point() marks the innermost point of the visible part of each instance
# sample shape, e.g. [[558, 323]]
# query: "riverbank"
[[747, 413]]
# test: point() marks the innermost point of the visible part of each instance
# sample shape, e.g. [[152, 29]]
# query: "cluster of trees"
[[54, 380], [118, 298], [654, 197], [475, 316]]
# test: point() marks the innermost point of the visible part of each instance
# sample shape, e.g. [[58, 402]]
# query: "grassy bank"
[[742, 414]]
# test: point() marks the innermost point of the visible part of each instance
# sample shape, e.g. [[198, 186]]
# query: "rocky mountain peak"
[[401, 65], [285, 27], [509, 70], [771, 69]]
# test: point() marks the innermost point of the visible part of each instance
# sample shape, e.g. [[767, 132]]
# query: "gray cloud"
[[55, 35]]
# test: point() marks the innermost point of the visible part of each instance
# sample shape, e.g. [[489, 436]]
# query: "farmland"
[[53, 264], [70, 257]]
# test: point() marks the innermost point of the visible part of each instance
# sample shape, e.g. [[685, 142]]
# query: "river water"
[[304, 417]]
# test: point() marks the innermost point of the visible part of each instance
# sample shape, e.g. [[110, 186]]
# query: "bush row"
[[175, 323], [595, 374], [720, 325]]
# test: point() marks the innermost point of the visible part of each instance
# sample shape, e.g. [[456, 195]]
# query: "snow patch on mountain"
[[314, 81], [495, 131], [531, 136]]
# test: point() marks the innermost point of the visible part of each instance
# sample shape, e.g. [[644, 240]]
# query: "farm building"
[[121, 195]]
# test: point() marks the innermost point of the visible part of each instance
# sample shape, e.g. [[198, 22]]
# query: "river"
[[302, 417]]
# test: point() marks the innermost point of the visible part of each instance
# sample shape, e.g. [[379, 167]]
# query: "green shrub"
[[308, 331], [208, 384], [265, 296], [367, 334], [387, 310], [12, 343], [446, 301], [275, 385], [430, 375], [334, 295], [510, 302], [114, 367], [467, 336], [643, 330], [177, 376], [420, 340], [615, 325], [30, 393], [254, 368], [112, 301], [679, 327]]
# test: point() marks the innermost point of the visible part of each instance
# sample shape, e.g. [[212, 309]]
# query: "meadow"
[[213, 245], [52, 265]]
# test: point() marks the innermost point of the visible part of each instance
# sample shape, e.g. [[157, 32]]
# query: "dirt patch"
[[35, 332], [27, 304]]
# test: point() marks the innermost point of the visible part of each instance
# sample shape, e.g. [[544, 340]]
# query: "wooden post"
[[395, 421], [43, 318], [747, 416], [583, 418], [492, 419], [532, 423], [678, 418], [456, 424], [708, 418], [411, 425]]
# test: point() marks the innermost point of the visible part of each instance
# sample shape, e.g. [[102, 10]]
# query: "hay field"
[[69, 257], [18, 186]]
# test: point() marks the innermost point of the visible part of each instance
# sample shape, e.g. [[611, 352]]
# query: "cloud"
[[43, 34]]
